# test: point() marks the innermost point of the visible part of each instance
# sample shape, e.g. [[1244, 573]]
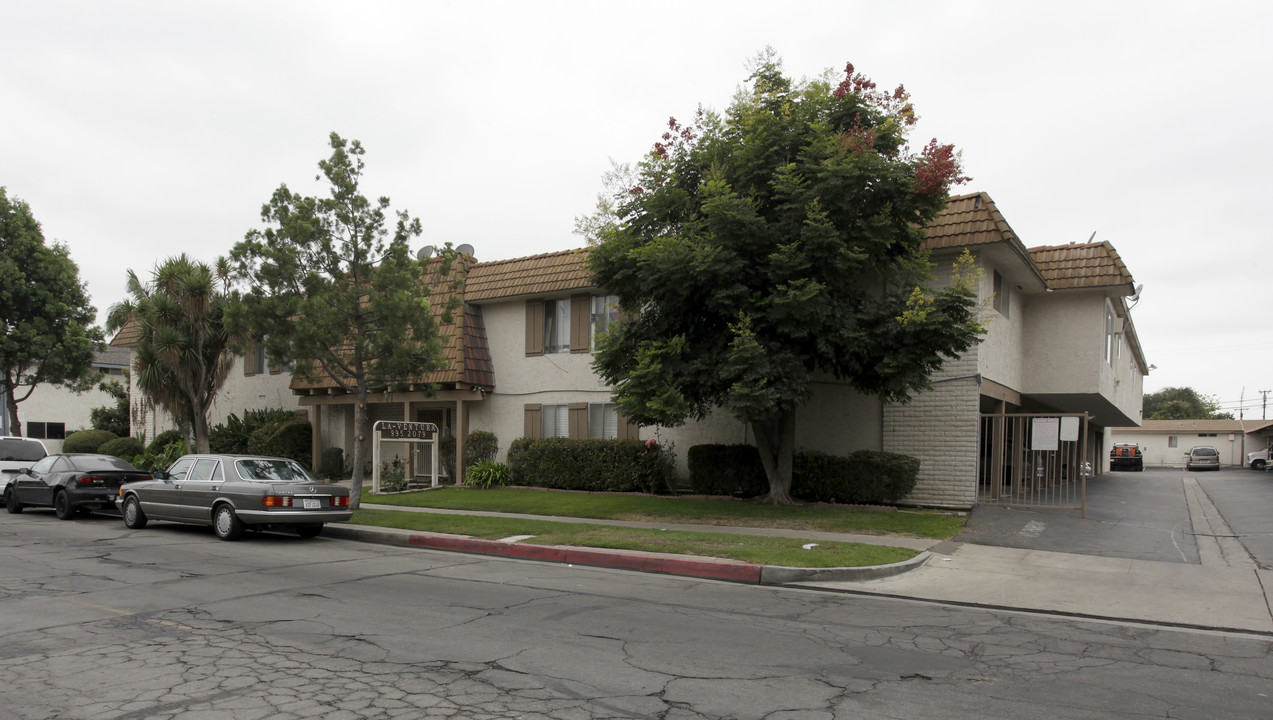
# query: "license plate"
[[311, 503]]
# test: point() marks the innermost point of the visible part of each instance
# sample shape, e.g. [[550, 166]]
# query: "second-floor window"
[[567, 325], [1001, 294], [605, 312], [1109, 335], [557, 326]]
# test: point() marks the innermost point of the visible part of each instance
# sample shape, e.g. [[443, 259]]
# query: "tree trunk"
[[15, 427], [362, 431], [776, 441], [200, 423]]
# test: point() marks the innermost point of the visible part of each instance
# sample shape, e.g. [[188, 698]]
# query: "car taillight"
[[340, 501], [89, 479], [276, 501]]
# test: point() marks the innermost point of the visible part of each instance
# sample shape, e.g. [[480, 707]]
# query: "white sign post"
[[401, 432]]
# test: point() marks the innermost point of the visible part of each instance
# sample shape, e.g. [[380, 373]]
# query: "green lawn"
[[723, 512]]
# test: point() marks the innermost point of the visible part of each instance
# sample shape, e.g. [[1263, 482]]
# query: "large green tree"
[[333, 290], [46, 320], [1182, 403], [184, 353], [776, 241]]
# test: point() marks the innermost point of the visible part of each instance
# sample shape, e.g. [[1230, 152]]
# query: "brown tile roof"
[[1090, 265], [969, 220], [546, 274], [128, 336], [465, 352]]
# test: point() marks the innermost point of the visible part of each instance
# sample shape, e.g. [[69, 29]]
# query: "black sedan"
[[70, 483], [233, 493]]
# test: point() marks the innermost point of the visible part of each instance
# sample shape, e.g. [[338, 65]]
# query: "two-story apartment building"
[[51, 412], [1059, 340]]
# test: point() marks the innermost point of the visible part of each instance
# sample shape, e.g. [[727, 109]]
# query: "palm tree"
[[183, 357]]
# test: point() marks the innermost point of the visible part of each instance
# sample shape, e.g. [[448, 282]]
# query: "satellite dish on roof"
[[425, 253], [465, 249]]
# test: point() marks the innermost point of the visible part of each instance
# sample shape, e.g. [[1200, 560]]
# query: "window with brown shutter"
[[580, 307], [534, 328], [534, 422]]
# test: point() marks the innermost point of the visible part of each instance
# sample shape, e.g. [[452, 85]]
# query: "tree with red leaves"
[[773, 243]]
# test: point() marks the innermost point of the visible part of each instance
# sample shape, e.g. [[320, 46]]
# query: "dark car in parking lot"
[[70, 483], [1126, 456], [233, 493]]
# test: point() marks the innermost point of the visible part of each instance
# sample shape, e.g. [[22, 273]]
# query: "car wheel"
[[11, 502], [226, 524], [134, 518], [309, 531], [62, 506], [1257, 464]]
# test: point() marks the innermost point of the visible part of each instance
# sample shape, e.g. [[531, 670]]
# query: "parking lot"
[[1141, 516]]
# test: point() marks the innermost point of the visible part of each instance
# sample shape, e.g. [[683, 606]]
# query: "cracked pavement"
[[169, 623]]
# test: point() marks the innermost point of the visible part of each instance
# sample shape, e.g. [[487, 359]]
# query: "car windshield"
[[267, 470], [101, 463], [13, 449], [1205, 451]]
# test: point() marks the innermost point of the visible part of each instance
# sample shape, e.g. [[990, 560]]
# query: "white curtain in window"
[[556, 420], [603, 421]]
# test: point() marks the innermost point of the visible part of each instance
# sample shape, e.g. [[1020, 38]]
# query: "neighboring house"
[[51, 412], [1059, 340], [1165, 443]]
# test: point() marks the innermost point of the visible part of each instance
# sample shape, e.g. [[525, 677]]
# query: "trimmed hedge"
[[481, 446], [87, 441], [866, 477], [593, 465], [125, 448], [726, 470]]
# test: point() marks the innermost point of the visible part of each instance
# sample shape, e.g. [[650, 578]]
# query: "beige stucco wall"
[[1157, 451], [50, 403], [1001, 356], [239, 393]]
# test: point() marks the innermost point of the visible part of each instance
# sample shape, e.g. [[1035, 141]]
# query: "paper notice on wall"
[[1045, 434]]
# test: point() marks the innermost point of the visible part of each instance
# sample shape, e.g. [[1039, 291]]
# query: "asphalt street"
[[169, 622]]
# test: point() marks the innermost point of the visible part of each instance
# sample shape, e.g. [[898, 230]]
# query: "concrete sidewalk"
[[1234, 596]]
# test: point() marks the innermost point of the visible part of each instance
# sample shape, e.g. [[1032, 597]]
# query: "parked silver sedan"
[[233, 493]]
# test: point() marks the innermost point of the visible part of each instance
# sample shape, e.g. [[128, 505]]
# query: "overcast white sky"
[[139, 130]]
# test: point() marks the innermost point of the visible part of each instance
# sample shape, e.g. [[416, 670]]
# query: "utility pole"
[[1264, 405]]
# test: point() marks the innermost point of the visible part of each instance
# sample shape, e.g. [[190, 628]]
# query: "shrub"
[[288, 439], [481, 446], [160, 458], [163, 440], [331, 464], [234, 435], [866, 477], [446, 455], [393, 475], [516, 458], [487, 473], [125, 448], [596, 465], [727, 470], [87, 441]]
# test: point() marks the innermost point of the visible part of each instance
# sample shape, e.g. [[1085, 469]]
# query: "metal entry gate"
[[1033, 460]]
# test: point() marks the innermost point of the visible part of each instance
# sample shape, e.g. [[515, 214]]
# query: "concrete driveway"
[[1160, 515]]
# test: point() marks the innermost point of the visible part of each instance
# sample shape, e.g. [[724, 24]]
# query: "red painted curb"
[[735, 572]]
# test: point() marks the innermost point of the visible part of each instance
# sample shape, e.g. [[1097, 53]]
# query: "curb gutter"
[[681, 565]]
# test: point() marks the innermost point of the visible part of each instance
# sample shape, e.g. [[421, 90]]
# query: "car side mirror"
[[162, 475]]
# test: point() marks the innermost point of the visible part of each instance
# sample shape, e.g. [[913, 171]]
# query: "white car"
[[17, 454], [1258, 460]]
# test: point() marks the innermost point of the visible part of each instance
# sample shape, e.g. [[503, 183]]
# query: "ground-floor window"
[[603, 421], [46, 430]]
